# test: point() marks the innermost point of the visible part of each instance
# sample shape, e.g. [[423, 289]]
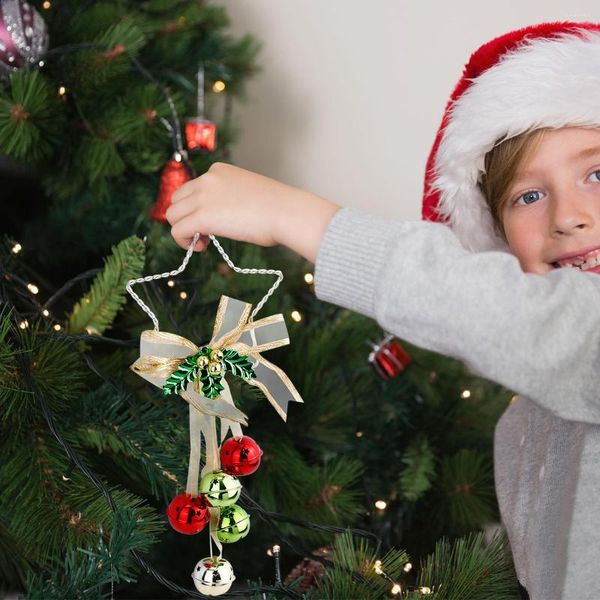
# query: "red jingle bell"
[[173, 176], [240, 455], [200, 134], [389, 358], [188, 514]]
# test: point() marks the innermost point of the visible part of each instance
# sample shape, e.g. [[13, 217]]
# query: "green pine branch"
[[96, 311], [419, 469]]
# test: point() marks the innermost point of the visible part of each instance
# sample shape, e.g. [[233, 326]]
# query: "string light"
[[269, 552], [62, 90], [46, 312], [33, 288], [381, 504], [24, 324], [407, 567], [309, 278], [41, 63], [296, 316], [171, 283], [276, 549], [359, 434], [396, 589], [377, 567], [218, 86], [57, 327], [183, 295], [16, 248], [46, 5], [425, 590], [466, 394]]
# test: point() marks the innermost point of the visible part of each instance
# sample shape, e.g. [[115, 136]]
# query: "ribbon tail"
[[209, 431], [215, 516], [228, 424], [195, 450], [275, 385]]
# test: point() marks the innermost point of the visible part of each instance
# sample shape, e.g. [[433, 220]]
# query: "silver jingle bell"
[[213, 576]]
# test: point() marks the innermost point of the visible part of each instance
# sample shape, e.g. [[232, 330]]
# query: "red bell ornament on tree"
[[389, 358], [173, 176], [240, 456], [188, 514]]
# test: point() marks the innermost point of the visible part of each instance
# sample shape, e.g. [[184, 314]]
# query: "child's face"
[[553, 211]]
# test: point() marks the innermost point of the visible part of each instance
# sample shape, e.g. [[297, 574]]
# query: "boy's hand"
[[241, 205]]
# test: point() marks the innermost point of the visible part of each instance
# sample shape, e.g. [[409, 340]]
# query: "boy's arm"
[[536, 335]]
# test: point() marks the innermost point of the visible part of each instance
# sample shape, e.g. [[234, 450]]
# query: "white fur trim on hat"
[[541, 83]]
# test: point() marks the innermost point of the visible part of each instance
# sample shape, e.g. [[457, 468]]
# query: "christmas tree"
[[378, 485]]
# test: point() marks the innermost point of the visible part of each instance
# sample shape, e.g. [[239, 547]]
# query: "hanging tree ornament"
[[23, 36], [173, 176], [388, 357], [200, 133], [234, 524], [188, 514], [178, 366]]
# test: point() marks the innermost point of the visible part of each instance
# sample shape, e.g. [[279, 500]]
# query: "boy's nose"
[[571, 214]]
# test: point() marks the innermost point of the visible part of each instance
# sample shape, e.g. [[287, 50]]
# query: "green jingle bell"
[[234, 524], [220, 488]]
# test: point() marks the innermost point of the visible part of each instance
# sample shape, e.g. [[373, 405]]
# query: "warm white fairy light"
[[276, 548], [466, 394], [33, 288], [46, 312], [57, 327], [16, 248], [41, 63], [171, 283], [359, 434], [309, 278], [381, 504], [296, 316], [24, 324], [183, 295], [377, 567], [62, 90], [269, 552], [407, 567], [396, 589], [46, 5], [425, 590], [218, 86]]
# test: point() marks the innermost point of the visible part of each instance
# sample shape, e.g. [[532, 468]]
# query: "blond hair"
[[501, 165]]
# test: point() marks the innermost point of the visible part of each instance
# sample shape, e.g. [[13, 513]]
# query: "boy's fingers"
[[183, 231], [176, 212]]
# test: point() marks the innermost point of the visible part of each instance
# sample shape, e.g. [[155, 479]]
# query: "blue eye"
[[595, 172], [530, 197]]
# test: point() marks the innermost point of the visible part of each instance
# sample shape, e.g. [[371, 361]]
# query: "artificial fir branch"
[[97, 309]]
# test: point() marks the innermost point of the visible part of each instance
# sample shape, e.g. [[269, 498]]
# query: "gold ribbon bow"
[[162, 353]]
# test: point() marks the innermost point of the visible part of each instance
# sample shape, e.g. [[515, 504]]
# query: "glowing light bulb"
[[57, 327], [46, 312], [183, 295], [466, 394], [381, 504], [425, 590], [46, 5], [269, 552], [296, 316], [359, 434], [407, 567], [16, 248], [276, 549], [171, 283], [377, 567], [396, 589], [24, 324], [62, 90], [309, 278], [218, 86], [33, 288]]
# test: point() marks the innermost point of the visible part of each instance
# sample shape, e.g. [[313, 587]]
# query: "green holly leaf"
[[238, 365], [186, 373], [211, 384]]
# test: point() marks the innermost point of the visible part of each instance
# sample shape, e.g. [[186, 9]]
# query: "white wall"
[[351, 94]]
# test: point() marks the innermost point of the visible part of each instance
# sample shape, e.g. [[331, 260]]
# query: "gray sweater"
[[537, 335]]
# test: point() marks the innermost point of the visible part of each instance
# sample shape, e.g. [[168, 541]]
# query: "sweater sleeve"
[[538, 335]]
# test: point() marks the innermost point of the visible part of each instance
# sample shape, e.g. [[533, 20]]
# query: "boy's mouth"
[[583, 262]]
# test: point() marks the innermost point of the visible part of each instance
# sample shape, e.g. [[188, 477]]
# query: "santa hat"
[[546, 75]]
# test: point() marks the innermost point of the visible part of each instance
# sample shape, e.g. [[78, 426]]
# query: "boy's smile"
[[552, 217]]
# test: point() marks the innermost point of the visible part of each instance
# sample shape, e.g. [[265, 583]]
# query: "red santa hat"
[[546, 75]]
